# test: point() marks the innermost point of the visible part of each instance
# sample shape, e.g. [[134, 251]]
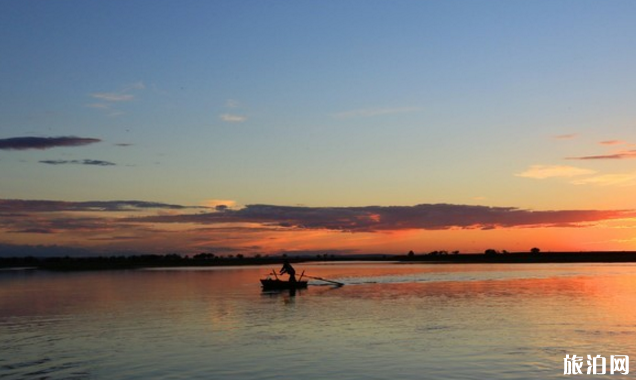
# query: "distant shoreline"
[[173, 260]]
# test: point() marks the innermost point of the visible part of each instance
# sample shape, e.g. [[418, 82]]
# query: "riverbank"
[[174, 260]]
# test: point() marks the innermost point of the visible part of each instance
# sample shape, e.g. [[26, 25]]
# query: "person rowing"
[[289, 269]]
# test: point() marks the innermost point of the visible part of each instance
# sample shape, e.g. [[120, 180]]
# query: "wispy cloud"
[[589, 177], [232, 118], [612, 142], [135, 86], [119, 96], [24, 143], [103, 106], [78, 162], [231, 103], [27, 205], [109, 99], [566, 136], [622, 155], [551, 171], [112, 97], [33, 231], [625, 179], [369, 112]]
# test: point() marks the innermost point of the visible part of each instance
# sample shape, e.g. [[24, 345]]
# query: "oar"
[[324, 279]]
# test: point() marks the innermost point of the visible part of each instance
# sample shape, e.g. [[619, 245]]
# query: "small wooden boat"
[[276, 284]]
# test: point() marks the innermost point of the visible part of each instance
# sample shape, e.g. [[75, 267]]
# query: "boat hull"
[[270, 284]]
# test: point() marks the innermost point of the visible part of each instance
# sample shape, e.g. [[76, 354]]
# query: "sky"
[[359, 126]]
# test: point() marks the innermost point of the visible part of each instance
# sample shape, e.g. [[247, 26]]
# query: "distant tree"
[[204, 256], [455, 252], [490, 252], [172, 256], [535, 250], [411, 254]]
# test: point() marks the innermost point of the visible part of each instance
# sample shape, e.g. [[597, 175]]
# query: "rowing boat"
[[276, 284]]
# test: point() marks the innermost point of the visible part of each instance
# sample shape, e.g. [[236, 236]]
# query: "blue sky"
[[321, 104]]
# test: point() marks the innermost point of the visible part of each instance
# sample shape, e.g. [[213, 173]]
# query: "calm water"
[[391, 321]]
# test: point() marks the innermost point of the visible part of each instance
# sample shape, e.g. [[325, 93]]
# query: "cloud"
[[115, 238], [109, 99], [612, 142], [19, 250], [33, 231], [120, 96], [99, 105], [24, 143], [113, 97], [390, 218], [550, 171], [219, 203], [53, 224], [20, 206], [231, 103], [566, 137], [369, 112], [230, 118], [608, 180], [135, 86], [150, 226], [82, 162], [626, 154]]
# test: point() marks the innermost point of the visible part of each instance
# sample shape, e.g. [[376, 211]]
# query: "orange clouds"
[[549, 171], [158, 227]]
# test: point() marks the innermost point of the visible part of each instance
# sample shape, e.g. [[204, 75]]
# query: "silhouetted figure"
[[287, 268]]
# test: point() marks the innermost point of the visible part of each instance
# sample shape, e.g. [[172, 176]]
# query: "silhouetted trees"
[[204, 256]]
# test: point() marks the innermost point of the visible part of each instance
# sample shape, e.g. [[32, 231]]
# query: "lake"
[[390, 321]]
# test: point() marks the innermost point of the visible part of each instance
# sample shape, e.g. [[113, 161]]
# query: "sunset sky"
[[353, 126]]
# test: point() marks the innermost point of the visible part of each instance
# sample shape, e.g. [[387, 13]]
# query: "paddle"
[[324, 279]]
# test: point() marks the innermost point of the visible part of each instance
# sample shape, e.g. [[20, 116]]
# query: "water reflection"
[[388, 321], [275, 293]]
